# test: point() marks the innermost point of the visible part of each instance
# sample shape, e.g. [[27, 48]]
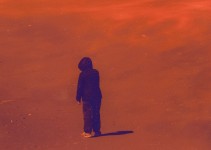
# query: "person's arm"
[[79, 88], [100, 94]]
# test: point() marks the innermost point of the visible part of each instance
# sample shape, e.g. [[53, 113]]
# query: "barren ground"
[[154, 59]]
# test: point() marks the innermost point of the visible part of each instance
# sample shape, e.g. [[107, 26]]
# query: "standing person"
[[89, 92]]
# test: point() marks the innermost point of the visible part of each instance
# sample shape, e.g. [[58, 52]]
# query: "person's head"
[[85, 63]]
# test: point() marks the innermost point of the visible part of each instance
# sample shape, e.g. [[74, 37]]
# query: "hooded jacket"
[[88, 82]]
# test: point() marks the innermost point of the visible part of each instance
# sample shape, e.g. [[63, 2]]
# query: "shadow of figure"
[[115, 133]]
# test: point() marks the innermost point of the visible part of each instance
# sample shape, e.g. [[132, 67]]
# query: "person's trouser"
[[91, 117]]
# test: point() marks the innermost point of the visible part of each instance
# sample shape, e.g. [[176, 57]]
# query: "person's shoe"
[[97, 134], [86, 135]]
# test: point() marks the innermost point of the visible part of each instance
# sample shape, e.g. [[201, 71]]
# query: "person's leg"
[[87, 111], [96, 117]]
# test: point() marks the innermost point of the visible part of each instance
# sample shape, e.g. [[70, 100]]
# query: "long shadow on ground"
[[115, 133]]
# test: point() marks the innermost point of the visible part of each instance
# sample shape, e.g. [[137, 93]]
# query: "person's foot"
[[98, 133], [86, 135]]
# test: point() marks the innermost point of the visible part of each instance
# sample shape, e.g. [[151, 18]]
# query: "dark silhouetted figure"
[[89, 92]]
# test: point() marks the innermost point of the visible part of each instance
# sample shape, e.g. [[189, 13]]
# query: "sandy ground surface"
[[154, 58]]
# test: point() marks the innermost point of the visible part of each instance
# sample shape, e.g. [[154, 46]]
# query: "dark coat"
[[88, 83]]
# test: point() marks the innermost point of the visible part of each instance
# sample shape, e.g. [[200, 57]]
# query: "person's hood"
[[85, 64]]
